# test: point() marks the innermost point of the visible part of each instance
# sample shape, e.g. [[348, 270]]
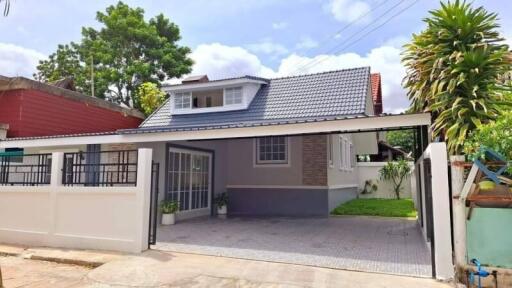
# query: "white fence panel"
[[105, 218]]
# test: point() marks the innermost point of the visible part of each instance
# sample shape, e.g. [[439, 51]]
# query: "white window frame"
[[229, 93], [330, 151], [271, 163], [182, 96]]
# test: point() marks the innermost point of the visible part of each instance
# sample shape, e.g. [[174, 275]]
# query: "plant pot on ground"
[[221, 201], [169, 209]]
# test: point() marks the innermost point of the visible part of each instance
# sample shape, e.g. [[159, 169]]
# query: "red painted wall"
[[36, 113]]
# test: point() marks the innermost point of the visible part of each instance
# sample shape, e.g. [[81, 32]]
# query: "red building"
[[32, 108]]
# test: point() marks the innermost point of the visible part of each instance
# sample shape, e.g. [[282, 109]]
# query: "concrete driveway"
[[370, 244]]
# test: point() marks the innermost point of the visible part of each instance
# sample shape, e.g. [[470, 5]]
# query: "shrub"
[[395, 171]]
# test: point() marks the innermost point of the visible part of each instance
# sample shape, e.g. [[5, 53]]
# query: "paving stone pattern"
[[370, 244]]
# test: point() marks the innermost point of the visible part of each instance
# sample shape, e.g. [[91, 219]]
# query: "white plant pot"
[[168, 219], [222, 210]]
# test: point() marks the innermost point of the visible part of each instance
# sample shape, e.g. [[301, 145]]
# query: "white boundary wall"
[[103, 218], [370, 171]]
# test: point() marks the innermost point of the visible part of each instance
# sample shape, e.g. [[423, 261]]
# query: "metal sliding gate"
[[426, 215], [153, 206]]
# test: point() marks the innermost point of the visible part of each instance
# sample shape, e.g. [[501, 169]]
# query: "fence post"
[[441, 209], [55, 182], [459, 211], [144, 166]]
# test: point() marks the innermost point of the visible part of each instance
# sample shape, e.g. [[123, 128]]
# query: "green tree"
[[404, 139], [396, 172], [123, 53], [151, 97], [453, 70]]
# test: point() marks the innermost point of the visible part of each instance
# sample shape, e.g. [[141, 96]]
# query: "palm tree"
[[7, 5], [454, 68]]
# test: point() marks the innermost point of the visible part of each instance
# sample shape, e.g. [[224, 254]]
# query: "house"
[[262, 174], [30, 108]]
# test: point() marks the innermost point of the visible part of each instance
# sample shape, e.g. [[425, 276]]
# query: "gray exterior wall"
[[242, 170], [278, 202]]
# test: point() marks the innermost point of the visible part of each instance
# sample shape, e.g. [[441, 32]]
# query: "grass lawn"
[[377, 207]]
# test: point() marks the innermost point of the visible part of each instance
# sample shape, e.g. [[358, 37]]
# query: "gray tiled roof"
[[313, 97]]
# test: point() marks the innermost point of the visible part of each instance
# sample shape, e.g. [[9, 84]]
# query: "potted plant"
[[222, 203], [169, 209]]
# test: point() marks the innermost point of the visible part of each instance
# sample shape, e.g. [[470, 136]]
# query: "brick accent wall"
[[314, 160]]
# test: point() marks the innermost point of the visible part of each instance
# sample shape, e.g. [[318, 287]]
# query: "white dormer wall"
[[249, 90]]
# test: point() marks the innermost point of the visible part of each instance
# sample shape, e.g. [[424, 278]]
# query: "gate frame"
[[441, 233], [153, 200]]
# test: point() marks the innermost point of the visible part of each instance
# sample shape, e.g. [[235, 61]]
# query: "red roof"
[[377, 93]]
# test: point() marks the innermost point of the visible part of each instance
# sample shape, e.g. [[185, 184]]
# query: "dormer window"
[[194, 97], [233, 96], [182, 100]]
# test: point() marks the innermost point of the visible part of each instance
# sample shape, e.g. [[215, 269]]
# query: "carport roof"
[[347, 124]]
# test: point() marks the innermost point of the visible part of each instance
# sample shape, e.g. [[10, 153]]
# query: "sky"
[[267, 38]]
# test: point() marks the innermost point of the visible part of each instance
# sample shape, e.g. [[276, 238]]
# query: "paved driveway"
[[368, 244]]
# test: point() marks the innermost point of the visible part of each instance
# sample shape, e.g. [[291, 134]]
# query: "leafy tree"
[[124, 53], [151, 97], [396, 172], [401, 138], [453, 70]]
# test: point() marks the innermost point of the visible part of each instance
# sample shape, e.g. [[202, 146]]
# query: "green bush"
[[496, 136]]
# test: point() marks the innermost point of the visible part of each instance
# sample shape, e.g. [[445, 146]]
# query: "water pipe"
[[480, 273]]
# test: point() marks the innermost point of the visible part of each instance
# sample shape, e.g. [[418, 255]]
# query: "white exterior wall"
[[103, 218], [370, 171]]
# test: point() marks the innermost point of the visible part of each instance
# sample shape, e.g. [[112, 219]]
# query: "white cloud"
[[347, 10], [266, 46], [384, 59], [18, 61], [280, 25], [219, 61], [306, 42]]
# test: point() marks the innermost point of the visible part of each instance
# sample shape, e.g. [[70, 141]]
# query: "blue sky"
[[234, 37]]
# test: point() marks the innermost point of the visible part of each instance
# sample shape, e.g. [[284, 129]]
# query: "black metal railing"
[[104, 168], [25, 169]]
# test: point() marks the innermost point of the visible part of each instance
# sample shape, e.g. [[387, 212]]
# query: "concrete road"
[[19, 272], [165, 269]]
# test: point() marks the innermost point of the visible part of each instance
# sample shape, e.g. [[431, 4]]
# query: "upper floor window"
[[272, 150], [233, 96], [182, 100]]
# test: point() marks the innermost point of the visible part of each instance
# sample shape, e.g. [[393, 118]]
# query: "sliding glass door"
[[189, 180]]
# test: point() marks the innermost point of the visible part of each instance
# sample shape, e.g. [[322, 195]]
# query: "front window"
[[272, 150], [182, 100], [233, 96]]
